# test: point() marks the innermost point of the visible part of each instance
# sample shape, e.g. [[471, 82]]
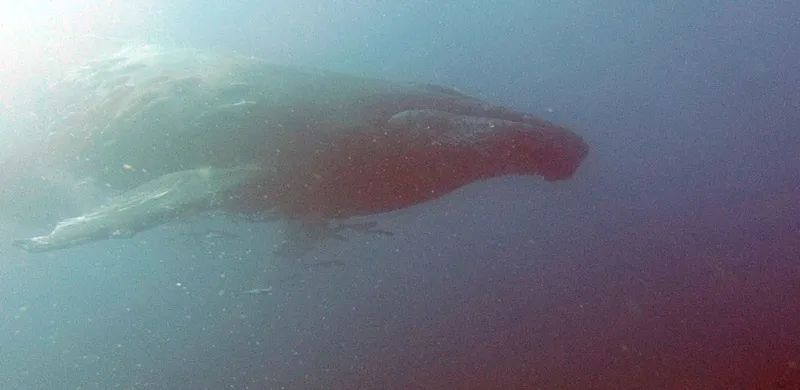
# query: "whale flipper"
[[170, 197]]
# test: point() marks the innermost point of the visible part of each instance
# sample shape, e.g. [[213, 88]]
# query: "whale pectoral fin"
[[32, 245], [167, 198], [56, 240]]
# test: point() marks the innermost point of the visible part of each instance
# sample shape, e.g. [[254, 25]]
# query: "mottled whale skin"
[[317, 145]]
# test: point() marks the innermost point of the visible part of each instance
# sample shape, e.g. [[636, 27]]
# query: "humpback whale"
[[181, 131]]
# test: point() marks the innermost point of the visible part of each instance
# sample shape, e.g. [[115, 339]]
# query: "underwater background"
[[670, 261]]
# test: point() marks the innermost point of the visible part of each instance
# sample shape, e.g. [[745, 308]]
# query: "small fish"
[[215, 234], [327, 264], [258, 291], [367, 227]]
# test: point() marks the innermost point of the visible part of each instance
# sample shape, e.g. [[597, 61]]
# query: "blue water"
[[670, 261]]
